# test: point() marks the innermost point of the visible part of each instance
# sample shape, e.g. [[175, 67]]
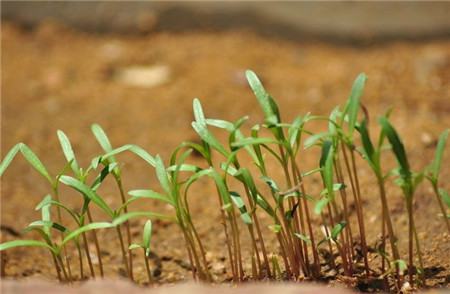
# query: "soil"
[[56, 78]]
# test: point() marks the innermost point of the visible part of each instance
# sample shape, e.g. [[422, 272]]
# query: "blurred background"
[[134, 68]]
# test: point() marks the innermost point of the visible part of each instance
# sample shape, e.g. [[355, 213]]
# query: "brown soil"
[[55, 78]]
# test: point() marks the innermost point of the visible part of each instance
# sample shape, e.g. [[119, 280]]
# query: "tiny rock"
[[426, 139], [144, 76]]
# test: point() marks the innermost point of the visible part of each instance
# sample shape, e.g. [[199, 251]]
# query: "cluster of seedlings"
[[290, 209]]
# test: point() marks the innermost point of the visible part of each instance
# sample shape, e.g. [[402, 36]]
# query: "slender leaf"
[[353, 103], [68, 152], [125, 217], [436, 165], [162, 176], [89, 227], [237, 200], [87, 192], [8, 158], [337, 229], [147, 235], [150, 194], [397, 146], [25, 243]]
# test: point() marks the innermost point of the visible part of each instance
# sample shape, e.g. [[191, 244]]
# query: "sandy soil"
[[55, 78]]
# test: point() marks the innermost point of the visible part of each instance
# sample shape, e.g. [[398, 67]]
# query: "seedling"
[[408, 182], [432, 174], [241, 200], [145, 246]]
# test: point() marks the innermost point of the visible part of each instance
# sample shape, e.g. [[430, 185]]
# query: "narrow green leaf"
[[254, 141], [206, 136], [353, 103], [321, 204], [303, 237], [128, 147], [150, 194], [271, 183], [237, 200], [267, 104], [35, 162], [221, 124], [368, 149], [313, 139], [162, 176], [436, 165], [337, 229], [24, 243], [261, 202], [326, 163], [8, 158], [294, 131], [198, 112], [125, 217], [89, 227], [87, 192], [397, 147], [147, 235], [402, 266], [68, 152], [134, 246], [102, 138], [275, 228]]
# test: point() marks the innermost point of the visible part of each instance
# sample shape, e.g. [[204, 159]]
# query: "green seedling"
[[372, 154], [432, 174], [408, 182], [285, 204], [145, 246]]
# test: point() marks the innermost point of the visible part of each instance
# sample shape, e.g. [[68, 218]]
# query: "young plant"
[[36, 163], [372, 154], [408, 182], [432, 174], [104, 142], [145, 246]]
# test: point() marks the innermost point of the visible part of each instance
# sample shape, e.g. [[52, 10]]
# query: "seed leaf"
[[312, 140], [125, 217], [8, 158], [87, 192], [161, 174], [24, 243], [271, 183], [436, 165], [237, 200], [221, 124], [89, 227], [150, 194], [134, 246], [397, 147], [337, 229], [254, 141], [102, 138], [268, 106], [147, 235], [198, 112], [353, 103], [303, 237], [68, 152], [320, 205], [206, 136], [368, 149]]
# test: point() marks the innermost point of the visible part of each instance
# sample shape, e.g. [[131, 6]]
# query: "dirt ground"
[[56, 78]]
